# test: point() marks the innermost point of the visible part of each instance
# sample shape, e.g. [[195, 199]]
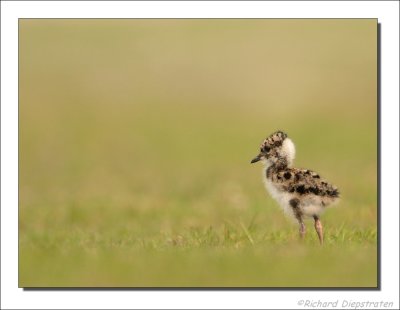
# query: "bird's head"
[[276, 148]]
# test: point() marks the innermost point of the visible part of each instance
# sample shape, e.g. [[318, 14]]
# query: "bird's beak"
[[256, 159]]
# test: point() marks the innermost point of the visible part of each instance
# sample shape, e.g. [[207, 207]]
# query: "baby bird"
[[301, 193]]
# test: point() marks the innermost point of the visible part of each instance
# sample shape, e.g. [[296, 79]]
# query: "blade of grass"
[[247, 233]]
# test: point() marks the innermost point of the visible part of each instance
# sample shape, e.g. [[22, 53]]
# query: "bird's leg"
[[294, 203], [318, 229], [302, 229]]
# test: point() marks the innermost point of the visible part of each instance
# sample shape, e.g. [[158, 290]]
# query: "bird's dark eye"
[[266, 148]]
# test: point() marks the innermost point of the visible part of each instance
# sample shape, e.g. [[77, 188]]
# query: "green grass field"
[[135, 141]]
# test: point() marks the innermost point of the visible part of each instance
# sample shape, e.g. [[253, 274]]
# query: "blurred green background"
[[135, 141]]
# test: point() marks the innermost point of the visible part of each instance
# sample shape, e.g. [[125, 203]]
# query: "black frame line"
[[377, 288]]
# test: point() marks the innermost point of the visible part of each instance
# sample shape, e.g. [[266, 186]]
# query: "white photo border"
[[387, 13]]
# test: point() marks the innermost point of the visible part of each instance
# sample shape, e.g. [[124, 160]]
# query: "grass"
[[135, 139], [211, 257]]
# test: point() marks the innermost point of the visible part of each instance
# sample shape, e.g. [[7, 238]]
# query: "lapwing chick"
[[301, 193]]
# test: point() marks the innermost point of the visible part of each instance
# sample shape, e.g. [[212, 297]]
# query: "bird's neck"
[[272, 167], [277, 164]]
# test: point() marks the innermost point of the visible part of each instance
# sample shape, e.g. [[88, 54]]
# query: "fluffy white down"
[[289, 150], [280, 197], [309, 207]]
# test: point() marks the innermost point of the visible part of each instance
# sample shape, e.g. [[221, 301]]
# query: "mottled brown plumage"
[[302, 182]]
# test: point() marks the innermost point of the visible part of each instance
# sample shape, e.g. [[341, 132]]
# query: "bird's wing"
[[304, 181]]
